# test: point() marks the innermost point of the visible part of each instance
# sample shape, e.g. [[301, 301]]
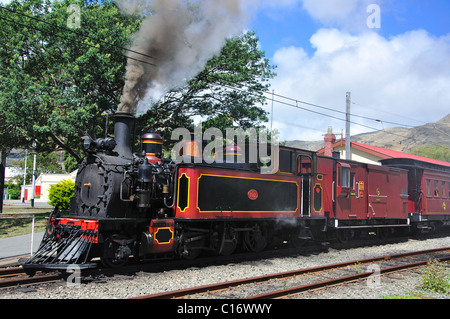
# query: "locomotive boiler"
[[120, 197]]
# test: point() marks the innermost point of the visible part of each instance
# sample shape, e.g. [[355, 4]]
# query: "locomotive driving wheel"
[[116, 251], [113, 262], [256, 240], [192, 244], [224, 239]]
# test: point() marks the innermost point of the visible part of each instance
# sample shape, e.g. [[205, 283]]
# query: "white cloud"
[[407, 75], [349, 14]]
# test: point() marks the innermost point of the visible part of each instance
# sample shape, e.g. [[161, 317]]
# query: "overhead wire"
[[221, 79], [78, 34], [305, 109]]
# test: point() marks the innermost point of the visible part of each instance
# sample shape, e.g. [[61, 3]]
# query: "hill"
[[397, 138]]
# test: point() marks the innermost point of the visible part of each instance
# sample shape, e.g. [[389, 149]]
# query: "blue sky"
[[293, 25], [398, 73]]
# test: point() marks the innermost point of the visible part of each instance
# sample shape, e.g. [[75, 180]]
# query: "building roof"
[[384, 153]]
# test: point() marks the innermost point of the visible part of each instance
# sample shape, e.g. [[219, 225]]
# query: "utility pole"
[[2, 176], [24, 178], [34, 180], [348, 154], [271, 113]]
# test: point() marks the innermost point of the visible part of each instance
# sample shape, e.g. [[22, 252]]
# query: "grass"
[[408, 295], [435, 279], [10, 227]]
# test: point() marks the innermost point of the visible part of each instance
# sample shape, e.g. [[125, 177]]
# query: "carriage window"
[[443, 189], [304, 164], [339, 171], [352, 180], [436, 191], [345, 177], [428, 187]]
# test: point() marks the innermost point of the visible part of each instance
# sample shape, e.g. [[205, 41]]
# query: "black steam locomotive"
[[117, 194], [142, 205]]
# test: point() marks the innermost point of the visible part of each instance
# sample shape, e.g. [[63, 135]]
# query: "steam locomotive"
[[146, 207]]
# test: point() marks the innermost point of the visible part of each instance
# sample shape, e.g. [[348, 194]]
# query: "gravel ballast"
[[128, 286]]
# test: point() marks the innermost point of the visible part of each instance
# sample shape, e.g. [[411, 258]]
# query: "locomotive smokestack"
[[123, 128]]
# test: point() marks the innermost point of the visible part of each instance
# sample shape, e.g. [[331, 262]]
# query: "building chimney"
[[329, 139]]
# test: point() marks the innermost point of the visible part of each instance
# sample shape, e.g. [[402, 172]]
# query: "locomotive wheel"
[[257, 239], [113, 262], [193, 245], [116, 251], [297, 239], [224, 241]]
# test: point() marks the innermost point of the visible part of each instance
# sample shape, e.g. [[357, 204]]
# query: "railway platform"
[[13, 248]]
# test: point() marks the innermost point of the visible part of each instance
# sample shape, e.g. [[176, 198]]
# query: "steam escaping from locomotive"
[[174, 43]]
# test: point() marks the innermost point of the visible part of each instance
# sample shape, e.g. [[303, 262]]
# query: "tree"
[[437, 152], [226, 94], [45, 163], [56, 83]]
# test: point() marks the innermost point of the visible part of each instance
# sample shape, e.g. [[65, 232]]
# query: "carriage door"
[[304, 170], [351, 183]]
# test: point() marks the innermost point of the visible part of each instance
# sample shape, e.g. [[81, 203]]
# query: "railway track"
[[191, 292], [16, 276]]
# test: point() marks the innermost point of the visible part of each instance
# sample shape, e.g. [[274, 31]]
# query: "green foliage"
[[70, 164], [435, 277], [13, 191], [58, 84], [61, 193], [45, 163], [225, 93], [437, 152]]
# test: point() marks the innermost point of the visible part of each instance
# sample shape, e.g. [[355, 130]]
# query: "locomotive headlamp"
[[87, 144]]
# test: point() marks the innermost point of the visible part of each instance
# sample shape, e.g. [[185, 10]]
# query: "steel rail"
[[11, 271], [340, 280], [28, 280], [228, 284]]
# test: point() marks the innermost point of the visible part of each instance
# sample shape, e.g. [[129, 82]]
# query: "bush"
[[61, 193], [435, 277], [13, 191]]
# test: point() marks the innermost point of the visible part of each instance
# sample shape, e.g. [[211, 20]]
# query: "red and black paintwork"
[[211, 193], [428, 191], [147, 207]]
